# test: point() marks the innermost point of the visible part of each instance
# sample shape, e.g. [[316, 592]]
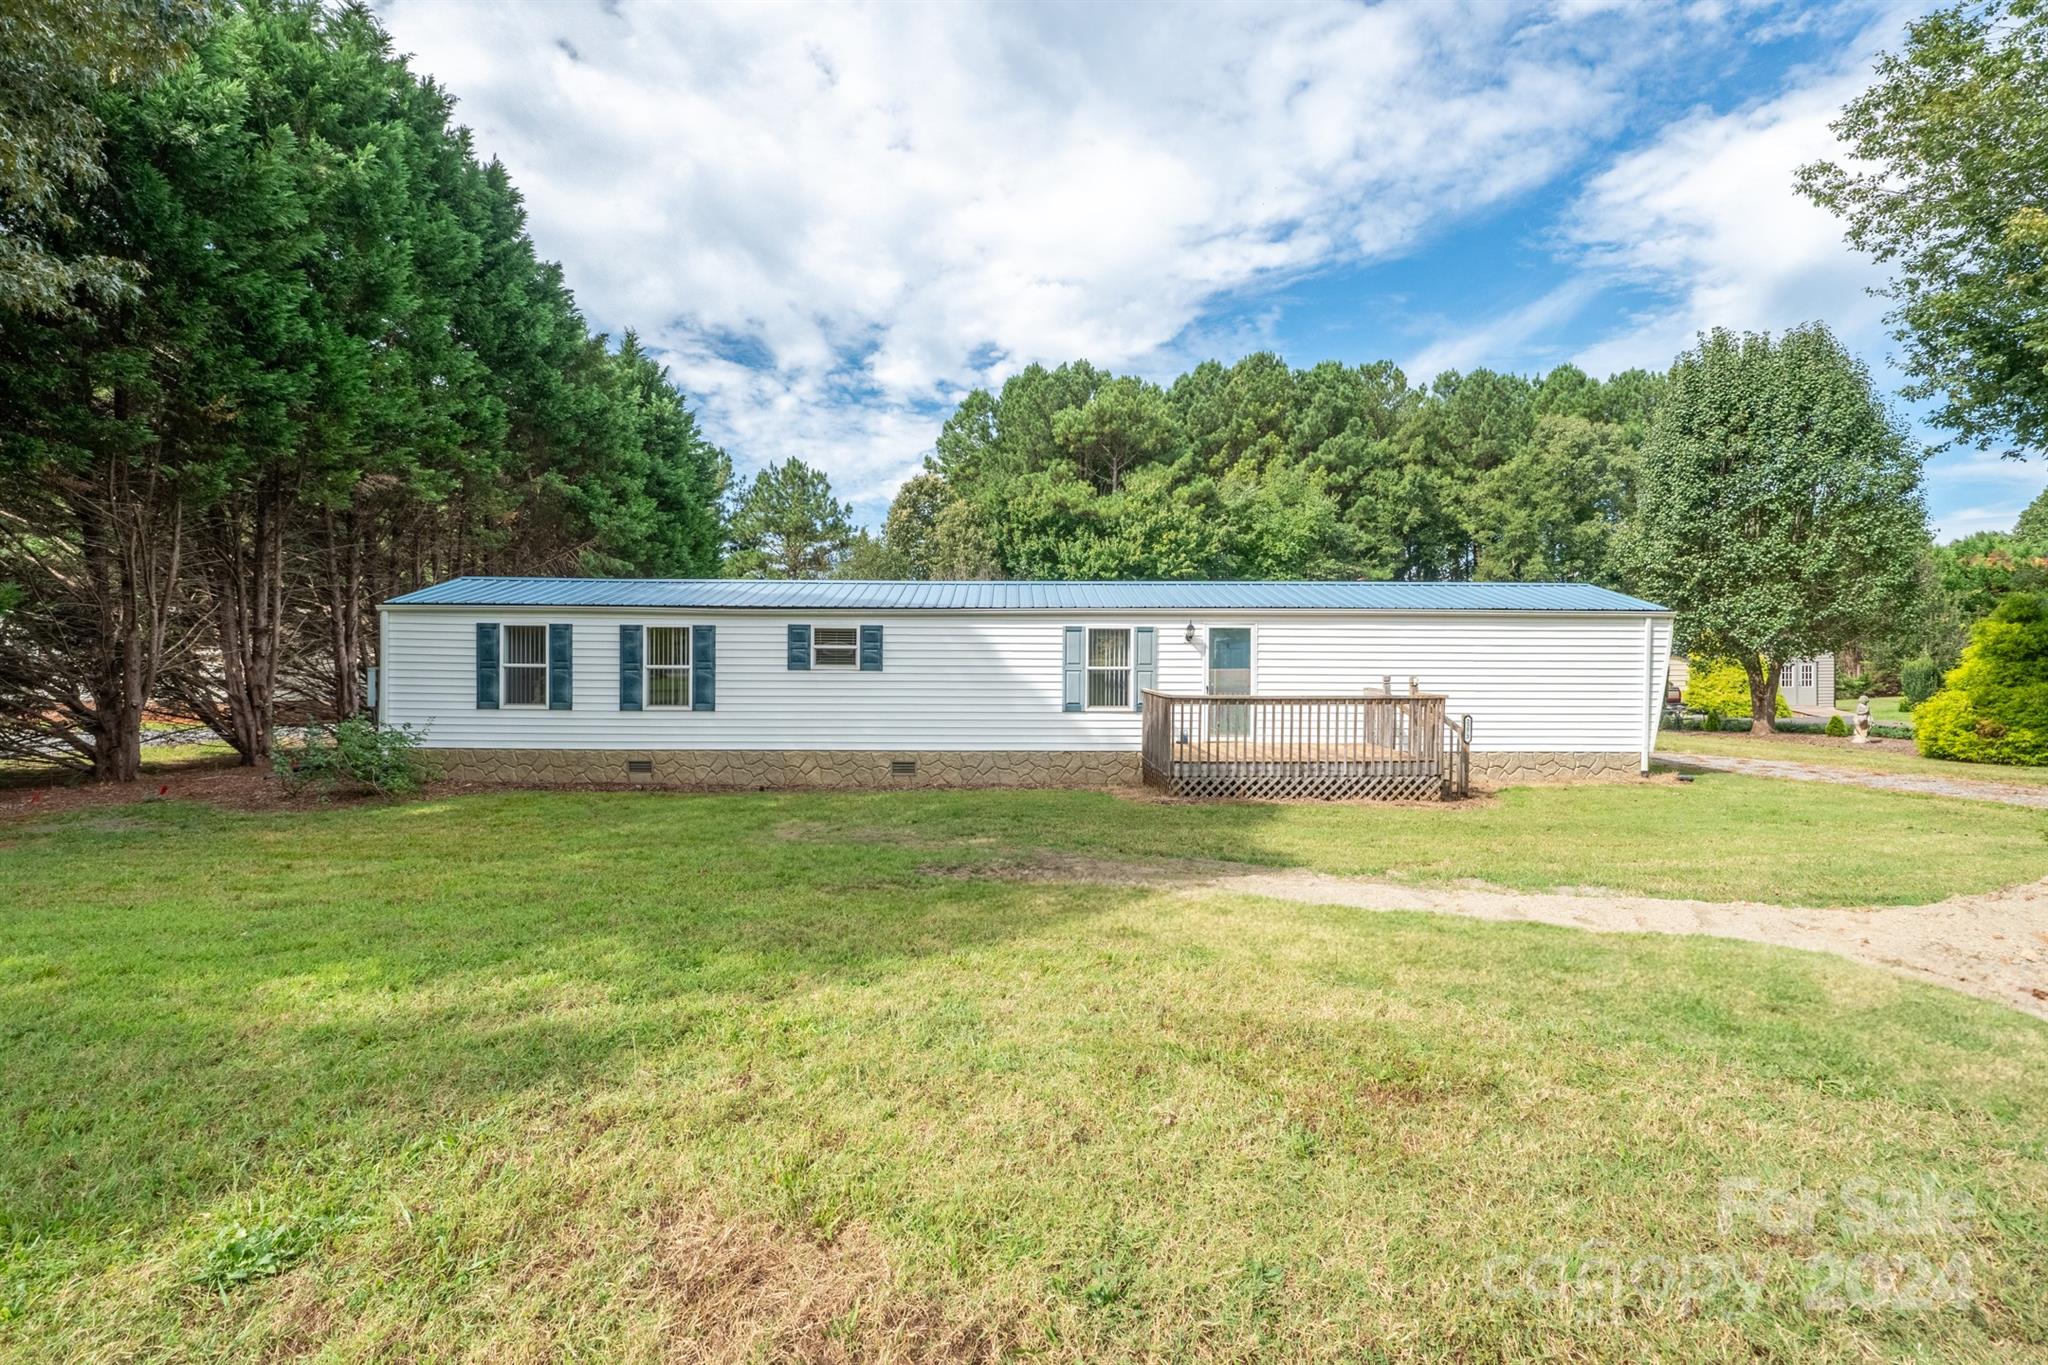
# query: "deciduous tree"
[[1779, 507], [1948, 185]]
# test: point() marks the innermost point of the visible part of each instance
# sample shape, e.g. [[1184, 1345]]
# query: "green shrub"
[[1919, 679], [1837, 728], [1720, 688], [356, 754], [1994, 707]]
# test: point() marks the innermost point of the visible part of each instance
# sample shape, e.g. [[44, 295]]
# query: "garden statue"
[[1860, 731]]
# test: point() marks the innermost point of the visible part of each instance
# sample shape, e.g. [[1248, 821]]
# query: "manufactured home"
[[1206, 688]]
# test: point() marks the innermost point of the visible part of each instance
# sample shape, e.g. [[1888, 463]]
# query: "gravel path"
[[1993, 945], [1968, 788]]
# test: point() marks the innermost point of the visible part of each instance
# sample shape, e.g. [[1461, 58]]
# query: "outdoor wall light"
[[1191, 632]]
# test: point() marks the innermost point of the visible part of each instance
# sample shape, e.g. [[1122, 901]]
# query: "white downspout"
[[1650, 687]]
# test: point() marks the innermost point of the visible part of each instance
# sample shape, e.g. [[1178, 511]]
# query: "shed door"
[[1230, 675]]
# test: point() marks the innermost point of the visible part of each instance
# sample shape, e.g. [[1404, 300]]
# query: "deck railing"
[[1389, 747]]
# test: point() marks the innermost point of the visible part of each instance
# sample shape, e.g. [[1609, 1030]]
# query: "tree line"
[[1760, 487], [1259, 470], [275, 345]]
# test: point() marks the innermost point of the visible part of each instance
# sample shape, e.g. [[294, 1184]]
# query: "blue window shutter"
[[1074, 692], [561, 666], [630, 644], [1144, 664], [871, 649], [799, 647], [703, 668], [487, 665]]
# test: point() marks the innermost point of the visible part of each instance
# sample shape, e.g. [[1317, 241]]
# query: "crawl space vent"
[[640, 767], [903, 767]]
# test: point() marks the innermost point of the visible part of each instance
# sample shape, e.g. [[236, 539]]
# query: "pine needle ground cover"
[[636, 1076]]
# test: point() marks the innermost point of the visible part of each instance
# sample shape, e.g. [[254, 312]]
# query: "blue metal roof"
[[834, 594]]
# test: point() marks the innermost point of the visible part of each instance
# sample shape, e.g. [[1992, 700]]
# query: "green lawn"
[[1883, 710], [1843, 754], [627, 1076]]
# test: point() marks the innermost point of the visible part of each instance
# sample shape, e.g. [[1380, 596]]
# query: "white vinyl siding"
[[992, 680], [667, 666]]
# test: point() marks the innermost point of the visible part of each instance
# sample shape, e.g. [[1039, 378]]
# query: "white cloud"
[[1706, 218], [832, 221], [1964, 521], [1504, 333]]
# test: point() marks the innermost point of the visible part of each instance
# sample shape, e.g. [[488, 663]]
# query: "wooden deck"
[[1232, 750], [1395, 748]]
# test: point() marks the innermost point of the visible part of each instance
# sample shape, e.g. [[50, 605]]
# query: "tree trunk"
[[116, 735], [131, 566], [247, 573], [1763, 695], [344, 557]]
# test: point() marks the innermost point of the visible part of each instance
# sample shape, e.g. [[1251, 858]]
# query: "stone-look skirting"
[[777, 769], [1505, 768]]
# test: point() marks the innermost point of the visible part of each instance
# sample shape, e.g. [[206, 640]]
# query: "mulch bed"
[[219, 784]]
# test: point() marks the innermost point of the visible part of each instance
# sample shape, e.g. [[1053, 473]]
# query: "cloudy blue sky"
[[833, 221]]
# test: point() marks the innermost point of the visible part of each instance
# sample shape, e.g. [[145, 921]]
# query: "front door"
[[1230, 675]]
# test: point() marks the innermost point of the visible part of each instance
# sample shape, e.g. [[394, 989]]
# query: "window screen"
[[525, 666], [835, 646], [668, 665], [1109, 668]]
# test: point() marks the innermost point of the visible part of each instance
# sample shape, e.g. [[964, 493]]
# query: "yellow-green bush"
[[1994, 705], [1721, 687]]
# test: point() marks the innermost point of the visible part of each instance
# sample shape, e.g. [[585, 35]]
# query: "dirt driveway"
[[1970, 789], [1994, 945]]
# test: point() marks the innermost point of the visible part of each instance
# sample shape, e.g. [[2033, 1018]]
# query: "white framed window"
[[1109, 667], [1785, 675], [523, 666], [668, 666], [835, 646], [1806, 675]]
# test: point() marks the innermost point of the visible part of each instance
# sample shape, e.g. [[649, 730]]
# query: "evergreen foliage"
[[1919, 680], [1257, 470], [345, 373], [788, 525], [1993, 707]]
